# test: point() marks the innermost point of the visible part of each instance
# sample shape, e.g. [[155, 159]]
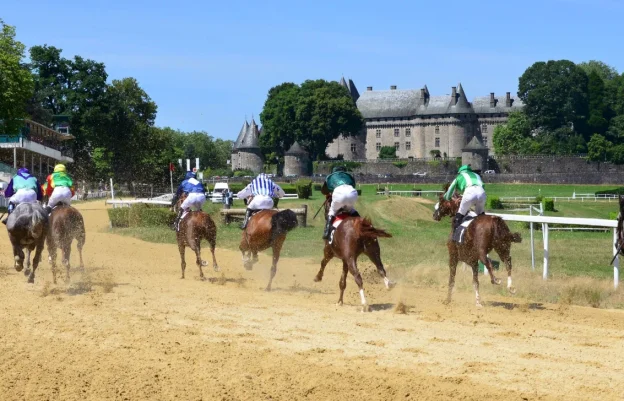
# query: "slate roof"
[[355, 95], [248, 136], [241, 135], [296, 149], [481, 104], [474, 144]]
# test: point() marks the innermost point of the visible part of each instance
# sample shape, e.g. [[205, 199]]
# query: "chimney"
[[508, 99], [422, 93], [453, 96], [392, 87], [492, 100], [369, 88]]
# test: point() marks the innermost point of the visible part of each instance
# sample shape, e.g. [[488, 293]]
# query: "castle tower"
[[296, 161], [246, 153], [352, 147], [475, 154]]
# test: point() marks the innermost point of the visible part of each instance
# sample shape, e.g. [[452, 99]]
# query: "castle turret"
[[296, 161], [246, 154]]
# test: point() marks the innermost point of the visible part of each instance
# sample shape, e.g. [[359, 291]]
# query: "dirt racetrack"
[[130, 329]]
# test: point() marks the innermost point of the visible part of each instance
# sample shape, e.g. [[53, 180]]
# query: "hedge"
[[304, 188], [141, 215], [317, 187], [549, 205], [495, 203]]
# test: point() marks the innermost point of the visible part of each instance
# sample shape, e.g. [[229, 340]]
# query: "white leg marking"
[[387, 282], [509, 282], [362, 296]]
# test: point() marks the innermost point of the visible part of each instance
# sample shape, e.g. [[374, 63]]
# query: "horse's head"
[[446, 208]]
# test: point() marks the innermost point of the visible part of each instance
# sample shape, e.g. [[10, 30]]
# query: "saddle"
[[340, 217], [458, 235]]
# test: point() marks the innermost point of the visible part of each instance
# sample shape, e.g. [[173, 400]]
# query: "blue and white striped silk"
[[262, 185]]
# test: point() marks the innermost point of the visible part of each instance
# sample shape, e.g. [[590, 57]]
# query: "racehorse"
[[66, 224], [354, 236], [192, 228], [28, 228], [619, 244], [484, 233], [266, 228]]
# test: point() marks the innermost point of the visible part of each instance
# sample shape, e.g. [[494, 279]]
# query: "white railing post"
[[545, 270], [616, 262], [112, 191], [532, 241]]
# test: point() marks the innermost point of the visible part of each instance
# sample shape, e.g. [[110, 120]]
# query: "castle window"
[[437, 141], [484, 128], [397, 145], [353, 148], [396, 132], [378, 146], [408, 146], [378, 133], [437, 131], [485, 140], [408, 132]]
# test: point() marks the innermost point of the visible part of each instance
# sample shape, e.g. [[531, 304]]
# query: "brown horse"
[[193, 227], [266, 228], [28, 228], [619, 244], [66, 224], [354, 236], [484, 234]]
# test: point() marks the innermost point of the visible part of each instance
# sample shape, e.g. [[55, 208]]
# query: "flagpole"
[[171, 178]]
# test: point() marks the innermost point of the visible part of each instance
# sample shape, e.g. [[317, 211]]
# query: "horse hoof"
[[216, 268], [478, 305], [202, 278], [446, 301], [512, 290], [366, 308], [204, 263], [496, 281], [27, 272], [317, 279], [268, 289], [31, 280], [339, 303]]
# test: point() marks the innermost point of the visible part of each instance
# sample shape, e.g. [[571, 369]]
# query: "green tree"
[[615, 94], [599, 148], [599, 113], [387, 152], [325, 110], [555, 95], [16, 83], [615, 132], [604, 71], [514, 137]]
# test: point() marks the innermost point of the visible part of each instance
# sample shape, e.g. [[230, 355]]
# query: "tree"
[[604, 71], [599, 113], [325, 110], [387, 152], [514, 137], [16, 83], [555, 95], [598, 148], [615, 132], [615, 94]]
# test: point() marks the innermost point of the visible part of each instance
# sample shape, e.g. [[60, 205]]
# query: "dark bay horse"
[[266, 229], [193, 227], [66, 224], [354, 236], [28, 228], [484, 234], [619, 243]]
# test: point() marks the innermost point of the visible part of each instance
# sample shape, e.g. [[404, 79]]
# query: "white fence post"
[[532, 241], [545, 270], [616, 262], [112, 191]]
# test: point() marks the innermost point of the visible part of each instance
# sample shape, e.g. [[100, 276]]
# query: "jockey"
[[341, 186], [263, 190], [469, 183], [23, 188], [59, 188], [196, 195]]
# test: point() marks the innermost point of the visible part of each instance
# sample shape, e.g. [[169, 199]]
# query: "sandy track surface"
[[130, 329]]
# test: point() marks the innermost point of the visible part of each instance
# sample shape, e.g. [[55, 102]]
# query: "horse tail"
[[515, 237], [282, 222], [37, 217], [502, 231], [368, 231]]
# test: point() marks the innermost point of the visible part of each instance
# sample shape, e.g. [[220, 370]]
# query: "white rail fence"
[[546, 220], [410, 193]]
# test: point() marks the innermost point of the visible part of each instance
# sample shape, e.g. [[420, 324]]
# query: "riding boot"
[[328, 224], [177, 219], [354, 213], [9, 211], [457, 221], [247, 216]]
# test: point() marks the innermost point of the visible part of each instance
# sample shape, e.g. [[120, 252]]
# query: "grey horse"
[[28, 228]]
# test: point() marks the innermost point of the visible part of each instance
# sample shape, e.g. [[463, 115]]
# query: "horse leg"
[[453, 260], [342, 284], [475, 282], [254, 259], [505, 256], [66, 252], [181, 248], [18, 256], [488, 264], [52, 256], [197, 248], [328, 254], [36, 260], [27, 259], [213, 242], [81, 241], [374, 254], [277, 248], [352, 265]]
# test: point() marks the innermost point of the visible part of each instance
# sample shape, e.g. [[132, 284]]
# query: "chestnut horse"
[[66, 224], [485, 233], [192, 228], [266, 228], [354, 236]]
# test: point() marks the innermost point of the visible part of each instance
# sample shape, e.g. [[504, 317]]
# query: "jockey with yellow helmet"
[[59, 187]]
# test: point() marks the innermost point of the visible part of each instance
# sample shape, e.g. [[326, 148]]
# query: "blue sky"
[[209, 64]]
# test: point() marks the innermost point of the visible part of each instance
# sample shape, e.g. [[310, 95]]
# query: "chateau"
[[416, 123]]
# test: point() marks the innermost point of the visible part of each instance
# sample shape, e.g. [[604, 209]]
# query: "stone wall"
[[248, 159], [343, 146], [296, 165]]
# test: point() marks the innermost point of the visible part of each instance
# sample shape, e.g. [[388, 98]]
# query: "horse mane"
[[366, 230], [282, 222]]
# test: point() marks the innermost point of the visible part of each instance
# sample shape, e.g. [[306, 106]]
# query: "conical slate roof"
[[250, 137], [474, 144], [296, 149], [241, 135], [355, 95]]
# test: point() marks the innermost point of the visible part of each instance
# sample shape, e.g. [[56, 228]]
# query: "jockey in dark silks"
[[196, 195], [23, 188], [341, 186]]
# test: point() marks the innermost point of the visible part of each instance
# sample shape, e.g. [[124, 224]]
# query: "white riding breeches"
[[194, 201], [24, 196], [473, 195], [343, 197], [60, 195], [261, 202]]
